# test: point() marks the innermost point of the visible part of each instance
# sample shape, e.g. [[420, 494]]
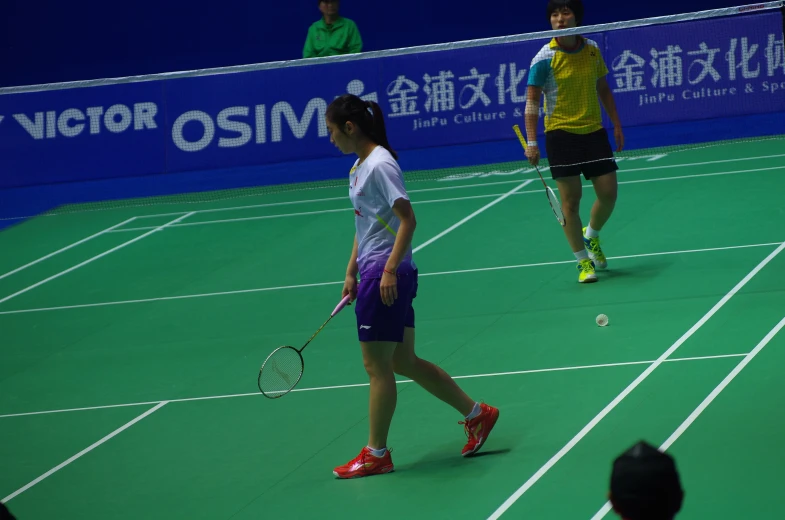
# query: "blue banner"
[[702, 70], [82, 134], [660, 74]]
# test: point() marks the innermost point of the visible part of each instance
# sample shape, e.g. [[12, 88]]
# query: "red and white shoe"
[[478, 429], [365, 464]]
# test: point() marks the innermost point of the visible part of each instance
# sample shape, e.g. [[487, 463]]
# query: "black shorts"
[[571, 154]]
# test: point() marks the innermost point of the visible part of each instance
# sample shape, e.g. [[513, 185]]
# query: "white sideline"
[[50, 255], [96, 257], [322, 284], [358, 385], [707, 401], [467, 219], [456, 199], [453, 187], [83, 452], [619, 398]]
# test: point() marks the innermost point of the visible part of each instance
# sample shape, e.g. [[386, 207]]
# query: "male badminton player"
[[382, 256], [571, 72]]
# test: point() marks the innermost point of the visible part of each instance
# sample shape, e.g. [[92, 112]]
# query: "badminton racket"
[[284, 367], [552, 200]]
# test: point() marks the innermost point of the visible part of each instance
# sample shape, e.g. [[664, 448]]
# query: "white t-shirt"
[[374, 186]]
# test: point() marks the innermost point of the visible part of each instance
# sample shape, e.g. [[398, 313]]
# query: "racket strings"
[[281, 372]]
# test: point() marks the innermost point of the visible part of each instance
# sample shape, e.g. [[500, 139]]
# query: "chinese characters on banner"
[[671, 73]]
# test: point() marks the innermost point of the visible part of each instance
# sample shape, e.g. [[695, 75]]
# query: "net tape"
[[542, 35]]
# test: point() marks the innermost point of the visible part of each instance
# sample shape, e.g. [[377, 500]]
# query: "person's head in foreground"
[[5, 514], [565, 14], [645, 484]]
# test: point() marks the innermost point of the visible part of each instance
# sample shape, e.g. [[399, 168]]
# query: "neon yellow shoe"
[[595, 251], [587, 275]]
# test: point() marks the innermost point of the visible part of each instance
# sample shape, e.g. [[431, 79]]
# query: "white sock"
[[591, 233], [379, 452], [582, 255], [475, 411]]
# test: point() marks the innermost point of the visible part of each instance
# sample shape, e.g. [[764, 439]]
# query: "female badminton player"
[[382, 256], [571, 72]]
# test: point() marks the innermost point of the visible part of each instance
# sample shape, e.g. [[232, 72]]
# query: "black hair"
[[645, 484], [5, 514], [351, 108], [576, 6]]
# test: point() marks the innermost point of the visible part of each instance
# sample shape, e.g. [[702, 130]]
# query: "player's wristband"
[[389, 272]]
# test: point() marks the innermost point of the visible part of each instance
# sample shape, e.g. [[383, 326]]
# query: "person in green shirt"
[[333, 34]]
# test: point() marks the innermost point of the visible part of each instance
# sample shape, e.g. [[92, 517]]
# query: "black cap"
[[5, 514], [645, 484]]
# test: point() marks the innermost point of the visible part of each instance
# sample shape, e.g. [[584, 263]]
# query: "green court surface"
[[129, 353]]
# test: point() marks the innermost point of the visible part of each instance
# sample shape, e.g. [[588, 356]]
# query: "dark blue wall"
[[45, 41]]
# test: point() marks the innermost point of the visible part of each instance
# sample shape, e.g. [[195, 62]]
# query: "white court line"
[[467, 219], [698, 175], [474, 185], [173, 222], [81, 453], [519, 171], [471, 197], [61, 273], [359, 385], [621, 171], [619, 398], [50, 255], [322, 284], [317, 212], [706, 402], [243, 219], [620, 257], [333, 199], [341, 210]]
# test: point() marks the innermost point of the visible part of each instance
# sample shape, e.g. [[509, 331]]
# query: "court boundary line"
[[707, 401], [471, 216], [64, 249], [92, 259], [455, 199], [461, 186], [323, 284], [632, 386], [360, 385], [624, 170], [83, 452]]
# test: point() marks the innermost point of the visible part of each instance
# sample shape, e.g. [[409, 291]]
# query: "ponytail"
[[379, 130], [367, 115]]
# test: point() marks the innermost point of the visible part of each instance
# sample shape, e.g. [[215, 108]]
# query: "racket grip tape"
[[341, 305], [520, 136]]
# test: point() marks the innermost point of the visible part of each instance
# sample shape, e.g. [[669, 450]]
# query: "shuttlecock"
[[602, 320]]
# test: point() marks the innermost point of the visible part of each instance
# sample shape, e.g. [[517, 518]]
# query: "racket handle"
[[520, 135], [341, 305]]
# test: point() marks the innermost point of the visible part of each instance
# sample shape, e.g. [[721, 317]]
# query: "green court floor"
[[131, 338]]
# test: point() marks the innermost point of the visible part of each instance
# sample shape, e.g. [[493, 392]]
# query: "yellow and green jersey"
[[569, 83]]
